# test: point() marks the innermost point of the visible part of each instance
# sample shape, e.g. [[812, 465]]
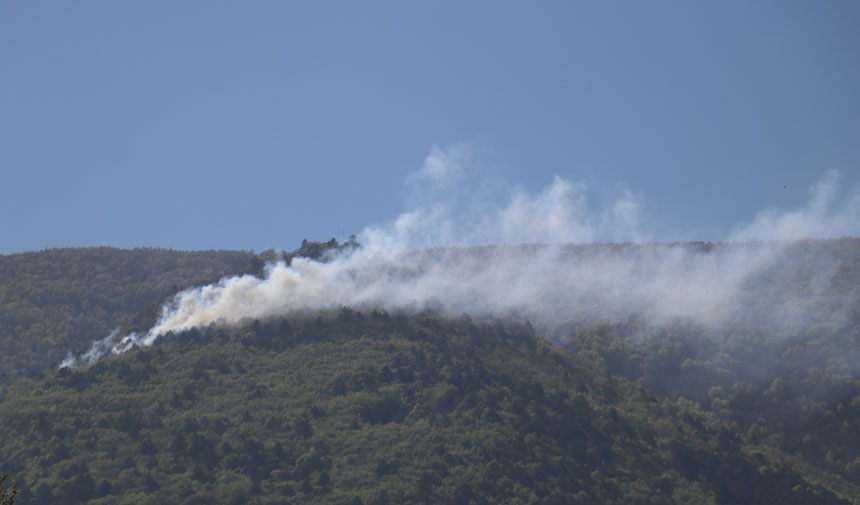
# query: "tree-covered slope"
[[631, 405], [59, 299], [372, 408], [784, 374]]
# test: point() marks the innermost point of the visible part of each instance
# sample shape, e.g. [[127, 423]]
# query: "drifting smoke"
[[536, 269]]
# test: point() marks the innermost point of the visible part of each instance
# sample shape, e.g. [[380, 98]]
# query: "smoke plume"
[[549, 256]]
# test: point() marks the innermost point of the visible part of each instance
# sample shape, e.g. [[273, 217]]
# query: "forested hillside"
[[786, 374], [373, 408], [60, 299], [754, 398]]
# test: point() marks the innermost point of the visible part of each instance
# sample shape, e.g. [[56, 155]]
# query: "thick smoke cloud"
[[438, 254]]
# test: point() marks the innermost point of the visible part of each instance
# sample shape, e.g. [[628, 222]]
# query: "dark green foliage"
[[57, 300], [372, 410]]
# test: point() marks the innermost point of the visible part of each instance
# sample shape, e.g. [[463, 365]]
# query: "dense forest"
[[354, 407], [377, 406], [56, 300]]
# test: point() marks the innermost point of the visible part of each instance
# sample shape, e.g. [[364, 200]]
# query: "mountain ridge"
[[775, 393]]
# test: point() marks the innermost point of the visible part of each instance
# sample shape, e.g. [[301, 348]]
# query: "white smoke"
[[536, 267], [818, 220], [442, 167]]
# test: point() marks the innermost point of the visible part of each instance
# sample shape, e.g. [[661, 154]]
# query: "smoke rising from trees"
[[455, 251]]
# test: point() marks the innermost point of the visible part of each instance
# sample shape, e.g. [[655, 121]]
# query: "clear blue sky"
[[242, 125]]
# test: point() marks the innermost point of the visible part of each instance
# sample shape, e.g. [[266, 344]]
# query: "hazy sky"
[[198, 125]]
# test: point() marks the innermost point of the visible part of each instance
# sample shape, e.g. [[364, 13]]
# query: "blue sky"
[[249, 125]]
